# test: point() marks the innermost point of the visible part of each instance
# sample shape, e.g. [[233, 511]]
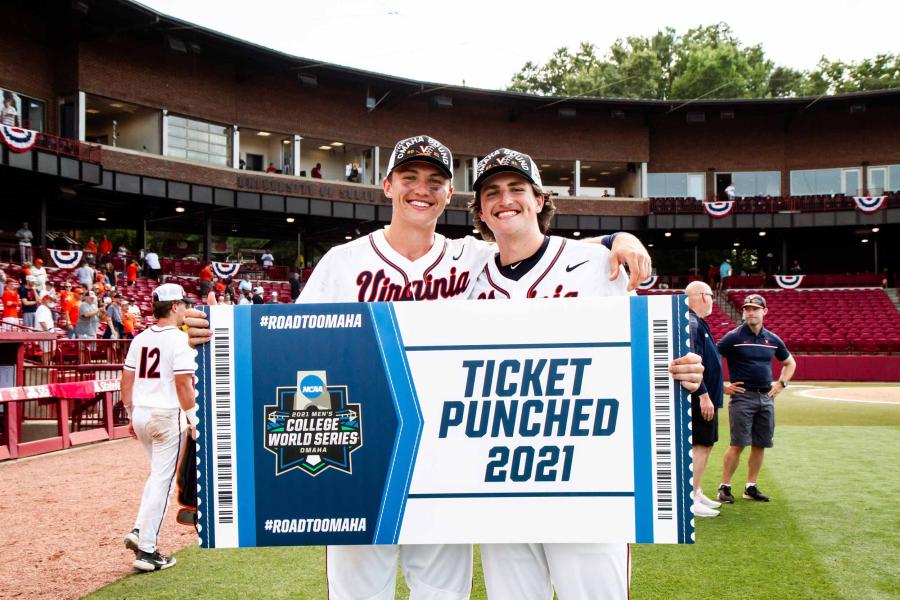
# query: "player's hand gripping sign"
[[464, 422]]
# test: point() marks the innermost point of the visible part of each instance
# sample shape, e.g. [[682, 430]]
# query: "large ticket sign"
[[551, 420]]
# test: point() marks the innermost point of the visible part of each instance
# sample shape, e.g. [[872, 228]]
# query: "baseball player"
[[410, 261], [510, 206], [158, 394]]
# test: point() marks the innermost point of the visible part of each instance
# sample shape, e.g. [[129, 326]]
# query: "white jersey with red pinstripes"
[[370, 270], [156, 356], [567, 269]]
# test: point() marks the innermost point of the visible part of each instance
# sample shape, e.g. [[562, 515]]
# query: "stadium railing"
[[767, 205], [46, 418], [69, 147]]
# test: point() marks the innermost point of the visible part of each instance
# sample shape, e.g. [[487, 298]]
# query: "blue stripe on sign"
[[206, 508], [682, 406], [518, 346], [640, 414], [526, 495], [410, 422], [245, 450]]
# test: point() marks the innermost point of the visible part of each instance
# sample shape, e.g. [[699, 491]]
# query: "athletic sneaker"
[[701, 510], [706, 501], [147, 561], [725, 494], [132, 538], [752, 493]]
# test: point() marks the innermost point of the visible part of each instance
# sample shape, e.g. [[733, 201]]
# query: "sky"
[[481, 44]]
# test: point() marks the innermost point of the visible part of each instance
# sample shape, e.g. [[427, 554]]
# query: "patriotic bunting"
[[788, 282], [717, 210], [18, 140], [66, 259], [648, 283], [869, 204], [225, 270]]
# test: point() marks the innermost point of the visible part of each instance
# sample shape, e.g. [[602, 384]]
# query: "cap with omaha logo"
[[754, 300], [506, 160], [421, 148], [170, 292]]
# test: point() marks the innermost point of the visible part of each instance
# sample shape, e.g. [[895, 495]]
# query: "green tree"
[[707, 61]]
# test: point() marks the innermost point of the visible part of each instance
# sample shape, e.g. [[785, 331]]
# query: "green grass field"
[[832, 529]]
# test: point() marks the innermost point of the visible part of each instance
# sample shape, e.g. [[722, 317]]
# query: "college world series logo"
[[312, 427]]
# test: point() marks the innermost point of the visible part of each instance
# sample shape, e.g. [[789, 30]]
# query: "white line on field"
[[812, 394]]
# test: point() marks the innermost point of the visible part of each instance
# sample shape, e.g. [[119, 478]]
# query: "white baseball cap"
[[169, 292]]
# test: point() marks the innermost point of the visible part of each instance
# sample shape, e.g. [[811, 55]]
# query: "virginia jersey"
[[368, 269], [567, 269], [156, 356]]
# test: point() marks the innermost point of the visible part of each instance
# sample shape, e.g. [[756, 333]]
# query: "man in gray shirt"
[[85, 275], [86, 329]]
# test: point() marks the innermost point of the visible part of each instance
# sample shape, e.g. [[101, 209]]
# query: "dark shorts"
[[752, 419], [703, 432]]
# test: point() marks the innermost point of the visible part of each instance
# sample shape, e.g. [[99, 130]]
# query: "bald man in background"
[[707, 400]]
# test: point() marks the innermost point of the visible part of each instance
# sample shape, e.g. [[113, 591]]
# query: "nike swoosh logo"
[[460, 253], [571, 268]]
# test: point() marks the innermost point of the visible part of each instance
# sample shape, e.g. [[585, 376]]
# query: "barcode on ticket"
[[662, 418], [223, 429]]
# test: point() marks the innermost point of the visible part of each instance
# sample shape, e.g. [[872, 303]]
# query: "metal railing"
[[765, 205]]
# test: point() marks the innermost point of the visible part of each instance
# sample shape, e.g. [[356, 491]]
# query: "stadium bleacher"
[[862, 320]]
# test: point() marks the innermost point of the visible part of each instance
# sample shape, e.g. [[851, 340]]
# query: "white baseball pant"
[[575, 571], [160, 432], [432, 571]]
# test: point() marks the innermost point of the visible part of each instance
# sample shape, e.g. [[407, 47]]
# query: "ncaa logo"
[[312, 386]]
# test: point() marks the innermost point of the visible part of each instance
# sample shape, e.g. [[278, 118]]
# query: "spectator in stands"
[[724, 272], [88, 321], [273, 298], [114, 310], [24, 235], [353, 175], [230, 291], [257, 297], [40, 275], [295, 285], [316, 171], [29, 298], [70, 301], [131, 272], [151, 262], [11, 303], [206, 277], [85, 275], [24, 273], [267, 259], [43, 315], [90, 251], [246, 285], [707, 400], [795, 267], [128, 322], [730, 192], [105, 249], [3, 278], [749, 350], [8, 114], [122, 252], [111, 275], [271, 168], [246, 297]]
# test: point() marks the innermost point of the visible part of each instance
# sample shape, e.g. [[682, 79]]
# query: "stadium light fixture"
[[865, 240], [263, 133], [545, 165], [290, 219], [475, 231], [762, 234], [585, 167], [348, 237], [337, 144], [92, 111], [668, 234], [325, 148], [179, 209], [116, 105], [876, 229], [649, 245], [576, 233], [563, 178], [103, 219], [736, 244]]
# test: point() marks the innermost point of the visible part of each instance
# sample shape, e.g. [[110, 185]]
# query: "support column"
[[41, 238], [80, 116], [296, 150], [376, 165], [784, 252], [207, 235], [235, 147], [642, 193], [141, 237], [578, 177], [297, 262], [164, 132]]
